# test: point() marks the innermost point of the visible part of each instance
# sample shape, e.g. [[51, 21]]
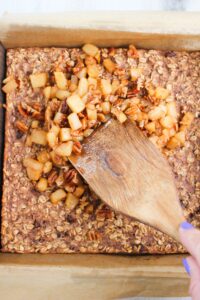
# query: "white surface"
[[79, 5], [44, 6]]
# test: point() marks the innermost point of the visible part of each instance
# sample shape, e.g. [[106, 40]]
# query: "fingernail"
[[186, 225], [186, 265]]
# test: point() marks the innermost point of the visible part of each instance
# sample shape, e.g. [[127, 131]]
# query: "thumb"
[[193, 270], [190, 238]]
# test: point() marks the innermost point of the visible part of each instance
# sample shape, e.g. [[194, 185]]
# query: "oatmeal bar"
[[46, 206]]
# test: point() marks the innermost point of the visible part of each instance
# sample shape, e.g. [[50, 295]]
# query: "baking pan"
[[72, 276]]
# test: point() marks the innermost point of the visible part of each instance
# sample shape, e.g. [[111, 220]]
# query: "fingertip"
[[186, 225], [186, 266]]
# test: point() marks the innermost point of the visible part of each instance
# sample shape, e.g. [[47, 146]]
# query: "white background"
[[45, 6]]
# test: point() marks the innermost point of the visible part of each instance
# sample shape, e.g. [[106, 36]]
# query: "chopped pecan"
[[132, 93], [71, 177], [77, 147], [104, 213], [64, 107], [132, 52], [26, 111], [21, 126], [93, 235], [78, 67], [52, 177]]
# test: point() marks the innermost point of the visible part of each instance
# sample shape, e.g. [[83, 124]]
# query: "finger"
[[193, 270], [190, 238]]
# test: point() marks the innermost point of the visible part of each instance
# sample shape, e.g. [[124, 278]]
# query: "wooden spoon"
[[130, 174]]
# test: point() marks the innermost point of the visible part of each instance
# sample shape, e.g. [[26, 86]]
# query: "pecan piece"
[[77, 147], [52, 177], [21, 126], [71, 176], [22, 111], [93, 235]]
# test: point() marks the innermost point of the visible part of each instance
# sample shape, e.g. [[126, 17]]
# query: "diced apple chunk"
[[10, 86], [39, 137], [109, 65], [52, 139], [43, 156], [62, 95], [71, 201], [61, 80], [79, 191], [38, 80], [29, 162], [65, 134], [64, 149], [92, 114], [106, 107], [167, 122], [82, 87], [47, 167], [161, 93], [47, 92], [90, 49], [58, 196], [106, 87], [74, 121], [33, 174], [42, 185], [135, 73], [75, 103], [93, 71]]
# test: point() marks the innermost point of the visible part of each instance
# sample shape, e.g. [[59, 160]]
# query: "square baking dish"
[[95, 276]]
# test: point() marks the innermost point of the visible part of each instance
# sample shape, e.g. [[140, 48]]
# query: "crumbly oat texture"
[[30, 222]]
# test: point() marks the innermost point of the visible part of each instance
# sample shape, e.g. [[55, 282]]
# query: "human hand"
[[190, 238]]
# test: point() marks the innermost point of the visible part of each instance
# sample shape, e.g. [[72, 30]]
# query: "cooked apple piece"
[[90, 49], [106, 87], [33, 174], [135, 73], [53, 92], [75, 103], [82, 86], [62, 95], [65, 134], [42, 185], [35, 124], [109, 65], [58, 196], [151, 127], [173, 143], [167, 122], [47, 167], [64, 149], [71, 201], [10, 86], [161, 93], [43, 156], [106, 107], [79, 191], [74, 121], [31, 163], [58, 118], [92, 114], [157, 113], [47, 92], [52, 139], [61, 80], [39, 136], [93, 71], [171, 110], [38, 80]]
